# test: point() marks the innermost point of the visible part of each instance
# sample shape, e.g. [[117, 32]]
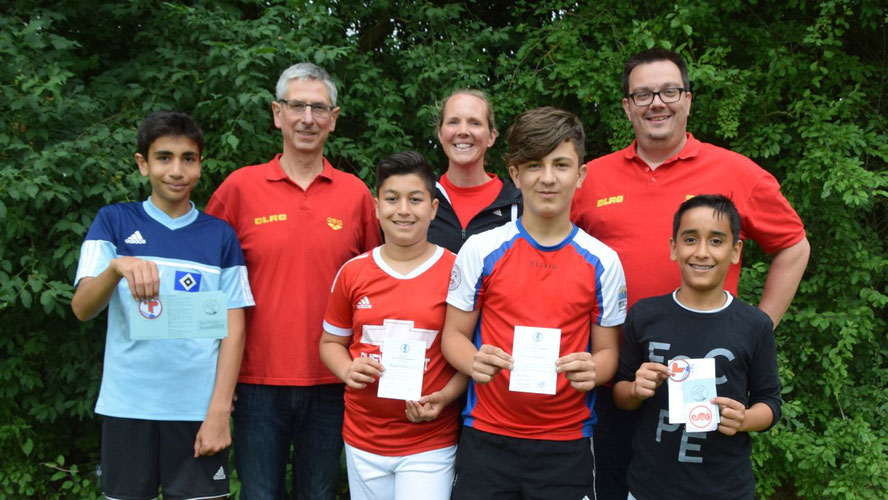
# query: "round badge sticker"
[[700, 416], [455, 277], [211, 307], [151, 308], [699, 393], [679, 370]]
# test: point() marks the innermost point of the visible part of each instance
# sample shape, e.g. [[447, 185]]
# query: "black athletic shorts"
[[138, 456], [494, 467]]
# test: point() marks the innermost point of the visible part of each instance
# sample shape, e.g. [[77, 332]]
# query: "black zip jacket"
[[446, 230]]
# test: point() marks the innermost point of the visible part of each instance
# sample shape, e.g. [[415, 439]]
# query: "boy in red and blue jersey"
[[544, 273]]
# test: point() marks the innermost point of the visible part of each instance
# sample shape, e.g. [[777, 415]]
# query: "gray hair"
[[305, 71]]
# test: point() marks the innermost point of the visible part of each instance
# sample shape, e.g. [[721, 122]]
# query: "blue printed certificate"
[[196, 315], [691, 387]]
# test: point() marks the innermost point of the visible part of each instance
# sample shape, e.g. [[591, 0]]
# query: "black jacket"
[[446, 230]]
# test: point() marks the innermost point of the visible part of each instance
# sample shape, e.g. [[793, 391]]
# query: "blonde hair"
[[440, 105]]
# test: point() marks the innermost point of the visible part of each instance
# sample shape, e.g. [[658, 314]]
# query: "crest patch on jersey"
[[622, 298], [455, 277], [187, 281], [335, 224]]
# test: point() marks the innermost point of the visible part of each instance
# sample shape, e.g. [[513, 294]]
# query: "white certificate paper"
[[535, 351], [691, 386], [404, 363], [185, 315]]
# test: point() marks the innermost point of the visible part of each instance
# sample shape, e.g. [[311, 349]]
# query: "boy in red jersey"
[[396, 449], [526, 297]]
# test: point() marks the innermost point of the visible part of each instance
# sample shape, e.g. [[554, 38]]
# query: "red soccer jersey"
[[294, 241], [630, 207], [515, 281], [367, 296]]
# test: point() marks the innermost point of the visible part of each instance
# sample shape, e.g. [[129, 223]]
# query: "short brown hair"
[[651, 56], [491, 121], [537, 132], [406, 163]]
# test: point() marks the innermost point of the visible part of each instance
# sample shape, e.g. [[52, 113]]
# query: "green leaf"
[[25, 298], [28, 446], [47, 300]]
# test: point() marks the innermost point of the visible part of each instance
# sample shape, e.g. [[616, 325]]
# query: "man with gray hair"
[[298, 220]]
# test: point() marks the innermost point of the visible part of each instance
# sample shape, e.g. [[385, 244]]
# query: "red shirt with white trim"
[[370, 301], [515, 281], [467, 202], [294, 242], [630, 207]]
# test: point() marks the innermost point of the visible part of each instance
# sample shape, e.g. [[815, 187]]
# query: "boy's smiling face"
[[548, 184], [173, 167], [704, 249], [405, 209]]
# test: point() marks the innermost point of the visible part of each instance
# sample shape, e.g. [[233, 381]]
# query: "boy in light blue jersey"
[[166, 402]]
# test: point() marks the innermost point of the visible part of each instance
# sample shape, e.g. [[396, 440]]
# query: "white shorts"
[[427, 475]]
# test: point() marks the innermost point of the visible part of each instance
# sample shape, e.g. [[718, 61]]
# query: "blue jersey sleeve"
[[98, 248]]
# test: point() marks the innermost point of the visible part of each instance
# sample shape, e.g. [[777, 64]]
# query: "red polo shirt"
[[294, 242], [630, 207]]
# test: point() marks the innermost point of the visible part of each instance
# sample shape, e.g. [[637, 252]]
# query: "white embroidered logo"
[[219, 475], [135, 239], [364, 303]]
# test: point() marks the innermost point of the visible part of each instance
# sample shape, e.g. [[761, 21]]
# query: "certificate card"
[[404, 363], [185, 315], [691, 386], [535, 351]]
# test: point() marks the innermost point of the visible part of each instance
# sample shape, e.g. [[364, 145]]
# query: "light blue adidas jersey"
[[167, 379]]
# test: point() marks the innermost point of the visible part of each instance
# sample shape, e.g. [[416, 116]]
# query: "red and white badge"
[[151, 308]]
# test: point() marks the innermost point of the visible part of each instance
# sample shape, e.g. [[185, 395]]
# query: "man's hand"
[[488, 362], [732, 413], [363, 371], [141, 276], [426, 409], [579, 369], [213, 436], [648, 378]]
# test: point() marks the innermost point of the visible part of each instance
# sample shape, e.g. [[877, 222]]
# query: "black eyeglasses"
[[646, 97], [318, 110]]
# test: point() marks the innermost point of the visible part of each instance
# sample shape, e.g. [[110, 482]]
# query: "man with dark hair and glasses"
[[631, 195], [298, 220]]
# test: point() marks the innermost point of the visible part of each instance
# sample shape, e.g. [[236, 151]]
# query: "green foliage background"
[[796, 85]]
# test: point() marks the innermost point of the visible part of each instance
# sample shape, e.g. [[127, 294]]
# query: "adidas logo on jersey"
[[364, 303], [498, 212], [220, 474], [135, 239]]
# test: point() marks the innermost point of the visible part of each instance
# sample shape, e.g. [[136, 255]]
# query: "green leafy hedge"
[[798, 86]]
